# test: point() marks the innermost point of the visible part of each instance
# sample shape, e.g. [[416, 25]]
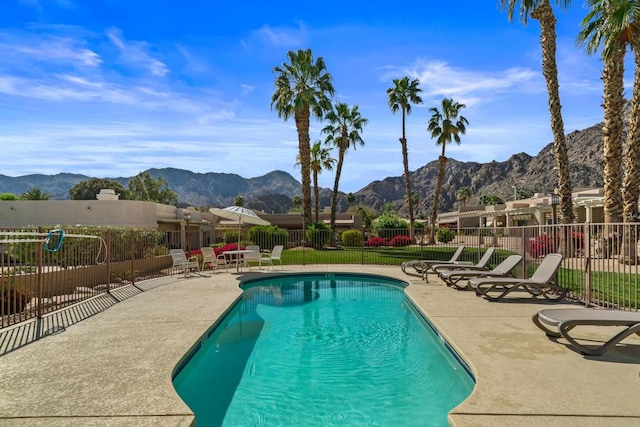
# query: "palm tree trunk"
[[544, 14], [442, 162], [302, 125], [407, 178], [632, 162], [334, 196], [612, 129]]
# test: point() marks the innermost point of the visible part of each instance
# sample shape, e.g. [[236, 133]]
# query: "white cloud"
[[282, 37], [136, 53], [22, 48]]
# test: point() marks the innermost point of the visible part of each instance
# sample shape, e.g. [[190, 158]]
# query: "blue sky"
[[109, 88]]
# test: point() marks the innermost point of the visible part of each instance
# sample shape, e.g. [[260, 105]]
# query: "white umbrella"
[[242, 215]]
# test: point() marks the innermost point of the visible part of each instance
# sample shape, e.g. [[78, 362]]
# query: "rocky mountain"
[[273, 192], [531, 173]]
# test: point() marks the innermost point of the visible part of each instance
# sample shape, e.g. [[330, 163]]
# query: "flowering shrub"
[[401, 241], [540, 245], [227, 247], [376, 241]]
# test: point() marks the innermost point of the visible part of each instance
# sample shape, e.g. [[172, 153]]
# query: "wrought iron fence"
[[600, 265]]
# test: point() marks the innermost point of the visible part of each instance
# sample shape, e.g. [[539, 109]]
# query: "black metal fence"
[[600, 267]]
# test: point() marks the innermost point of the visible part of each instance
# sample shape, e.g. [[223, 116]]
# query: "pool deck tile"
[[114, 368]]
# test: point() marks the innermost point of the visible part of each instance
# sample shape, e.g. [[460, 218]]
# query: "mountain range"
[[274, 191]]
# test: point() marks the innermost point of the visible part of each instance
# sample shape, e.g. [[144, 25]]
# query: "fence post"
[[39, 286], [587, 262], [108, 257], [133, 257]]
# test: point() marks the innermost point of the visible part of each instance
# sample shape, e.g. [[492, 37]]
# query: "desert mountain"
[[273, 192]]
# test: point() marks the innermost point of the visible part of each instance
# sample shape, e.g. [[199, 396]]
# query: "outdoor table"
[[238, 255]]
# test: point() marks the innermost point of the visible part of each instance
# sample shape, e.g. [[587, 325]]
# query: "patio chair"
[[209, 257], [275, 255], [253, 256], [566, 319], [420, 265], [180, 261], [454, 277], [541, 283], [483, 263]]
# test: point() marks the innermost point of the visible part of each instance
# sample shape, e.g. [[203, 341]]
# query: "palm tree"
[[34, 194], [320, 159], [464, 194], [542, 11], [303, 88], [445, 126], [596, 35], [343, 131], [401, 96], [238, 201]]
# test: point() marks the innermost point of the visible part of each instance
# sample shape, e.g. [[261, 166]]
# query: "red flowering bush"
[[376, 241], [227, 247], [541, 245], [401, 241]]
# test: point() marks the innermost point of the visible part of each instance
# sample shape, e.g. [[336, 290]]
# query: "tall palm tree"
[[320, 159], [303, 87], [597, 35], [445, 125], [542, 11], [343, 131], [401, 96]]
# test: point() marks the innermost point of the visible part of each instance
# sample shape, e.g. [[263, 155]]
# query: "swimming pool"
[[322, 349]]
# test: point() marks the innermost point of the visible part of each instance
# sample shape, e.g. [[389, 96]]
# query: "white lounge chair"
[[422, 265], [566, 319], [181, 262], [454, 277], [275, 255], [541, 283]]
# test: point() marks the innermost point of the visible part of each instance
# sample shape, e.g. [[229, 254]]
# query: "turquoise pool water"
[[322, 350]]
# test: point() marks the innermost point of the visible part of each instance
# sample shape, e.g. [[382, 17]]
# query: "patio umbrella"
[[240, 214]]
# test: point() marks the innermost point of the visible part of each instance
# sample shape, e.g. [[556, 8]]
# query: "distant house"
[[536, 210]]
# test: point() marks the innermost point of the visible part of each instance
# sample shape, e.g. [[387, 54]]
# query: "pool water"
[[322, 350]]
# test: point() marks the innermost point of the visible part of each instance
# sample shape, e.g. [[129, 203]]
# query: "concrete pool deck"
[[114, 368]]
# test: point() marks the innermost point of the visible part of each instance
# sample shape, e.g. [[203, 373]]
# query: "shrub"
[[445, 235], [540, 245], [352, 238], [230, 236], [376, 241], [401, 241], [12, 301], [267, 236], [318, 234], [388, 225]]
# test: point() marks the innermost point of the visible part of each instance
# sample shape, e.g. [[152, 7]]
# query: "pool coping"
[[114, 368]]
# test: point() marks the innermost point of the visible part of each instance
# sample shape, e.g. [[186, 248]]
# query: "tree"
[[597, 35], [351, 198], [401, 96], [490, 200], [303, 88], [320, 159], [542, 11], [88, 189], [464, 194], [238, 201], [445, 126], [34, 194], [296, 202], [343, 132], [144, 187], [8, 196]]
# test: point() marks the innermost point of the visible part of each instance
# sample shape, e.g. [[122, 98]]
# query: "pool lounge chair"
[[420, 265], [454, 277], [541, 283], [181, 262], [483, 263], [566, 319]]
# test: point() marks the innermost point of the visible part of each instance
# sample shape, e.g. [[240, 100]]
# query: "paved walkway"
[[114, 368]]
